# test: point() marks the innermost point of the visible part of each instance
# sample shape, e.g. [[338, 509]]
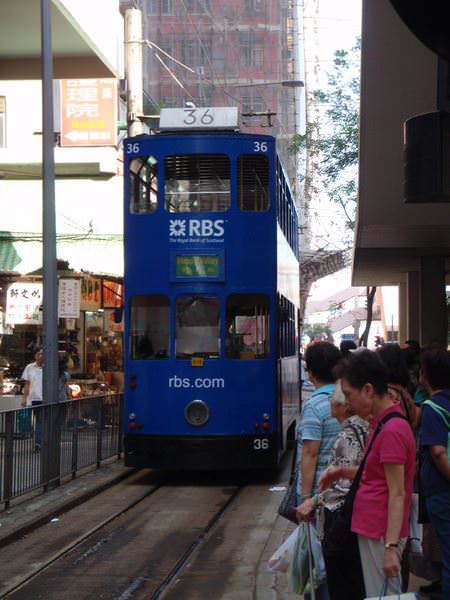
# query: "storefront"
[[90, 330]]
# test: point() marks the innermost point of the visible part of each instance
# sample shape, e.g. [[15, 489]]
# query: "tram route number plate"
[[261, 444], [216, 117]]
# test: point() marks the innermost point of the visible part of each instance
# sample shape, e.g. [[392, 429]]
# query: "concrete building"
[[398, 243]]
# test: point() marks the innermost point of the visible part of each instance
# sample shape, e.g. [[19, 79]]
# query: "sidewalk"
[[35, 508]]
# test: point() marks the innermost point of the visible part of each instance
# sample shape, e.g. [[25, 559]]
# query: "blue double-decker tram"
[[211, 296]]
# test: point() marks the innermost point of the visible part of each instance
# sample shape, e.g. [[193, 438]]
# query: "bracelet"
[[316, 500], [305, 497], [390, 545]]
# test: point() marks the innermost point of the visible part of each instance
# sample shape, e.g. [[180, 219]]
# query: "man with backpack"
[[435, 448]]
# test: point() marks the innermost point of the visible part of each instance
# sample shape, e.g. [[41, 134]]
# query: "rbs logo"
[[196, 228]]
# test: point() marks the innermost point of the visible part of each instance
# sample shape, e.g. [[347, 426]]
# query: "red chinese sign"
[[88, 112]]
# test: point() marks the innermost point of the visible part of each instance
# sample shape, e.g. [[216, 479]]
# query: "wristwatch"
[[391, 545]]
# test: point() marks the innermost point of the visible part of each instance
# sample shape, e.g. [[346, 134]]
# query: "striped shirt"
[[316, 424]]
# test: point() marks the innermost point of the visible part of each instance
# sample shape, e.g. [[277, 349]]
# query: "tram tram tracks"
[[191, 551], [154, 579], [72, 545]]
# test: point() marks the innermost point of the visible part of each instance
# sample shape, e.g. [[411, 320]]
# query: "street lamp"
[[293, 83]]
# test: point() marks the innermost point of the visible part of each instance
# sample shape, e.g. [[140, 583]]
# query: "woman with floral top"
[[343, 571]]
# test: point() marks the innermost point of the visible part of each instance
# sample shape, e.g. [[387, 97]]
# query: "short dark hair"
[[347, 345], [361, 367], [321, 359], [414, 345], [395, 361], [435, 364]]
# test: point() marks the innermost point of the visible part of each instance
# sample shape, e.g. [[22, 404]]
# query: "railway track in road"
[[131, 541]]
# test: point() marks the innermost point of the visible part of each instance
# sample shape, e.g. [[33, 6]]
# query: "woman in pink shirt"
[[382, 503]]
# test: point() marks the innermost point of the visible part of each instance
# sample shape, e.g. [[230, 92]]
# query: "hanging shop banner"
[[90, 297], [112, 294], [69, 298], [24, 304], [88, 112]]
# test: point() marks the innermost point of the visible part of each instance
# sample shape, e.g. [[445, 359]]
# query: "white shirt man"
[[32, 374]]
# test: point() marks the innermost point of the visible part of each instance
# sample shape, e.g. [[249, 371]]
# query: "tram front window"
[[197, 183], [247, 326], [143, 185], [197, 331], [149, 327]]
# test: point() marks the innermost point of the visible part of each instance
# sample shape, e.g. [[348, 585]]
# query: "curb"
[[55, 511]]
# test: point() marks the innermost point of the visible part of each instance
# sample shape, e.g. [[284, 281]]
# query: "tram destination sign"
[[197, 265], [217, 117]]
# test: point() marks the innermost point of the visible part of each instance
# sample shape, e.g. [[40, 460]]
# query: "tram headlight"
[[196, 413]]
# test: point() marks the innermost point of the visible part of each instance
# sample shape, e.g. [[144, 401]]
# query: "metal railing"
[[41, 445]]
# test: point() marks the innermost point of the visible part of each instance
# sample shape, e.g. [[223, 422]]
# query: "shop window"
[[149, 327], [197, 330], [253, 183], [143, 185], [247, 326], [197, 183]]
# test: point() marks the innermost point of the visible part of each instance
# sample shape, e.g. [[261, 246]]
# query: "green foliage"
[[316, 330], [333, 139]]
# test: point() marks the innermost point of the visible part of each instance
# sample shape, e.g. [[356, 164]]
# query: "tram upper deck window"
[[253, 182], [247, 326], [143, 185], [197, 183], [149, 330], [197, 331]]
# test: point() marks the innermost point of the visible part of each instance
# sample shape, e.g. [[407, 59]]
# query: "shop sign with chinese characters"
[[69, 298], [24, 304], [112, 294], [90, 294], [88, 112]]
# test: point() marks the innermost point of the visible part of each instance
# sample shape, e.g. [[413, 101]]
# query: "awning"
[[9, 258], [99, 254]]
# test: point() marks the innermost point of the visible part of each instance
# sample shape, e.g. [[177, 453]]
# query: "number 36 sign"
[[199, 118]]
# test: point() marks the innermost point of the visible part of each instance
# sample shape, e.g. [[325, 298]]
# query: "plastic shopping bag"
[[282, 558], [307, 569], [398, 596], [299, 567]]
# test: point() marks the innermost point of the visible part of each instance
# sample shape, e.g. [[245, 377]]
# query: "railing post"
[[9, 457], [42, 413], [120, 424], [99, 429], [75, 419]]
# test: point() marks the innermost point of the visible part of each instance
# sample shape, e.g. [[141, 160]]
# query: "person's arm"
[[26, 391], [310, 453], [332, 474], [395, 479], [439, 455]]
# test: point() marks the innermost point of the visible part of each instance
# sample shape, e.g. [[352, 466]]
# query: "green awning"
[[9, 258]]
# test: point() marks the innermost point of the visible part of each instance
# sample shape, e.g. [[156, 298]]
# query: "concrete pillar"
[[433, 309], [402, 313], [412, 306]]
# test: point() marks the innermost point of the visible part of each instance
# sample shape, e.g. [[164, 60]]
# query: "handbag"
[[338, 532], [289, 503], [397, 596]]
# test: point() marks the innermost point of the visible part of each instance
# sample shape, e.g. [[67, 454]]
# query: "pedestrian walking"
[[380, 516], [317, 429], [434, 439], [32, 393]]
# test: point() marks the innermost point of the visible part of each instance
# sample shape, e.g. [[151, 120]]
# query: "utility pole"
[[134, 71], [50, 451]]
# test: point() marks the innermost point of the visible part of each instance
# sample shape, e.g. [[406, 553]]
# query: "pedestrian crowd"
[[372, 468]]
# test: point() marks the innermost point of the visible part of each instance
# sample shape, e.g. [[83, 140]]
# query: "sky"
[[339, 25]]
